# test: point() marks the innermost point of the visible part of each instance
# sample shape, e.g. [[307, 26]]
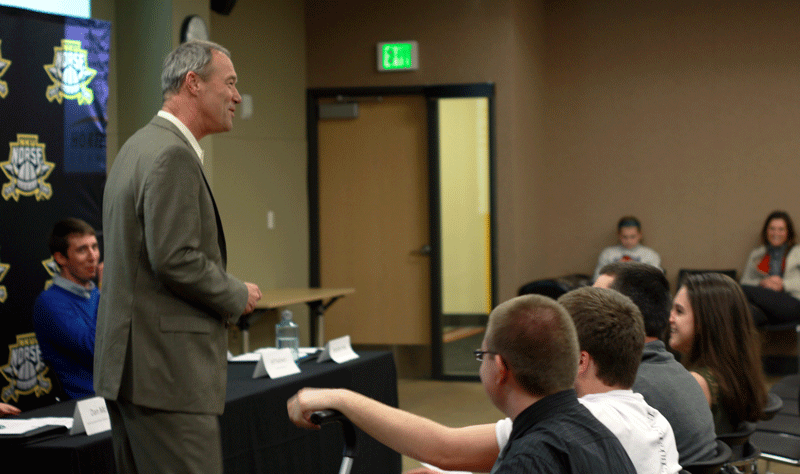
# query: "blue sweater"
[[65, 327]]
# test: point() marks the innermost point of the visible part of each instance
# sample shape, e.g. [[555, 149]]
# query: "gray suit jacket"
[[166, 297]]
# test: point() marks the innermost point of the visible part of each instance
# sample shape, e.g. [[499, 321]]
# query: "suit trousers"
[[147, 440]]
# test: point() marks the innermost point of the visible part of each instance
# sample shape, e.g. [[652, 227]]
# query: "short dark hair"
[[536, 338], [628, 221], [610, 329], [58, 241], [648, 288], [789, 227]]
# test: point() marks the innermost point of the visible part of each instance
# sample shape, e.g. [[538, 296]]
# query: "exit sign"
[[398, 56]]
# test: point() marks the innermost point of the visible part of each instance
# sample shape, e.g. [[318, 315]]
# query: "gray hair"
[[192, 56]]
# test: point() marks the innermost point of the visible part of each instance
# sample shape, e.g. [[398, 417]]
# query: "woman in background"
[[711, 326], [771, 278], [629, 233]]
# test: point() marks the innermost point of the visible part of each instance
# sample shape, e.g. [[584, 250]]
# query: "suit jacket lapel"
[[220, 234]]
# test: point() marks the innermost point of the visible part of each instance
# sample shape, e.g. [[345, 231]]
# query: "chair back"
[[747, 462], [713, 465], [773, 406]]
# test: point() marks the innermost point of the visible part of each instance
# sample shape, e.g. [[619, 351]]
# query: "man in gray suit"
[[160, 356]]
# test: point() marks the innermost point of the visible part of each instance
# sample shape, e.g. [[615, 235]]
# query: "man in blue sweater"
[[65, 315]]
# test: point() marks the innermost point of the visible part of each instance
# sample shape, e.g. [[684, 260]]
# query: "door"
[[374, 221]]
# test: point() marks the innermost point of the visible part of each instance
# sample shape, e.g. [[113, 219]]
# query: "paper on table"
[[15, 426], [255, 356]]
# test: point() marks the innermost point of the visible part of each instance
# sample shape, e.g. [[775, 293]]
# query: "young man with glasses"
[[529, 359]]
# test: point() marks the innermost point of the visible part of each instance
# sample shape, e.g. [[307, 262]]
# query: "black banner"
[[53, 95]]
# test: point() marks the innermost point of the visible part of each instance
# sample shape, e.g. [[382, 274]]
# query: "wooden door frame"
[[431, 93]]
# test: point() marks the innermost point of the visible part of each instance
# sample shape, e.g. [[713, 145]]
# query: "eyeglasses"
[[480, 353]]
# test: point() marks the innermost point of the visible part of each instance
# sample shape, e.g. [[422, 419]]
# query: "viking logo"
[[25, 370], [70, 74], [52, 268], [27, 169], [3, 292], [4, 63]]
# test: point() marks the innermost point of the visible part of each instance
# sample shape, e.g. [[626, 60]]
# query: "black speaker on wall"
[[223, 7]]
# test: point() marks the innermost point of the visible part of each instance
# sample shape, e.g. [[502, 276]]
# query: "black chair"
[[713, 465], [787, 388], [786, 420], [555, 287], [774, 405], [747, 463], [779, 447], [738, 440], [779, 437], [791, 326]]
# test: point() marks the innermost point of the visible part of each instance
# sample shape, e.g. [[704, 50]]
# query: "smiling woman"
[[771, 278], [710, 325]]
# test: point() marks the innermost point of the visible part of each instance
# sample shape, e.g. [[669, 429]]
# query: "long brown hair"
[[726, 341]]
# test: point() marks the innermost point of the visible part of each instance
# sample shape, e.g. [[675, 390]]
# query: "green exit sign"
[[398, 56]]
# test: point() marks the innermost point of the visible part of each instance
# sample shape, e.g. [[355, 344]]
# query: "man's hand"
[[253, 295], [305, 402]]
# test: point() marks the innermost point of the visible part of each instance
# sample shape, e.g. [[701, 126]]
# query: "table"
[[279, 297], [257, 436]]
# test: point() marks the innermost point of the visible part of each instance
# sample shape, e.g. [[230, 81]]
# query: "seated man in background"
[[529, 361], [629, 249], [664, 383], [65, 315]]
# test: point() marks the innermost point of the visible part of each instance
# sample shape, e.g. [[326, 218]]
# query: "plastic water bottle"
[[287, 334]]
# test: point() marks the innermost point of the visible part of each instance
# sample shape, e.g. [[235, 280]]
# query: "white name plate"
[[90, 416], [339, 350], [276, 363]]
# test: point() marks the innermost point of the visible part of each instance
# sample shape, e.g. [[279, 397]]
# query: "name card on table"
[[90, 416], [339, 350], [276, 363]]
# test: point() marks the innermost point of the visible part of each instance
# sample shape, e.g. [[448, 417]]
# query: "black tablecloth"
[[257, 436]]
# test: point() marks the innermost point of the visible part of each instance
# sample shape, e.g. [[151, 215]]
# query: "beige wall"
[[686, 114]]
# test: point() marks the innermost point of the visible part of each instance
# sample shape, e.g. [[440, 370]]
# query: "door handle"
[[425, 250]]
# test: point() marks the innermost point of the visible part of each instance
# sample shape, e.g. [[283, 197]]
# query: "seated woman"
[[629, 233], [771, 278], [711, 326]]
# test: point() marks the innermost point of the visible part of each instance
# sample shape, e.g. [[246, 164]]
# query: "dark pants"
[[148, 441], [772, 307]]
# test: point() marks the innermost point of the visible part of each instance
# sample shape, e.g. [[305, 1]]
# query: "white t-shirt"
[[644, 432], [618, 253]]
